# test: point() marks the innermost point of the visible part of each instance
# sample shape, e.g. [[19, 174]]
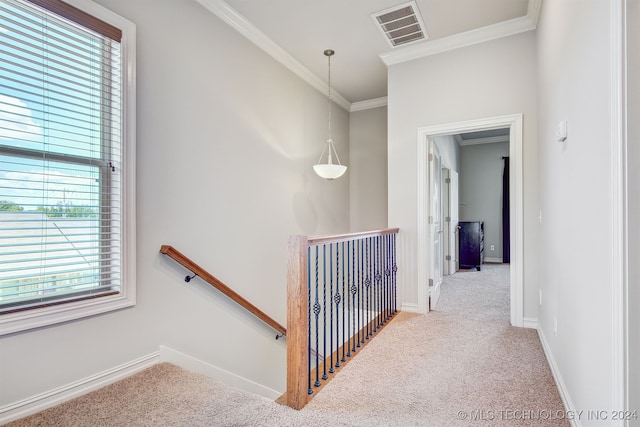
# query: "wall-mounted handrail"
[[219, 285]]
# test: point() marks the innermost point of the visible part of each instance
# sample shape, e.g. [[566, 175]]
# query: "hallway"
[[462, 364]]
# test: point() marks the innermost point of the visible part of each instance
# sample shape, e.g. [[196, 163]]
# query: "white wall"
[[481, 191], [486, 80], [633, 193], [368, 184], [226, 142], [575, 186]]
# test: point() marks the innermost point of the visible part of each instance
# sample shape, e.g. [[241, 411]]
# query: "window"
[[67, 162]]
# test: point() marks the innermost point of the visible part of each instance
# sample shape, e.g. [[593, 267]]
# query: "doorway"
[[425, 135]]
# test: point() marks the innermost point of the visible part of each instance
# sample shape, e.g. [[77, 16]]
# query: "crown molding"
[[368, 104], [431, 47], [239, 23], [533, 11], [468, 38]]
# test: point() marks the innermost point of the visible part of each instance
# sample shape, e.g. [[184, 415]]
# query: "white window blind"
[[60, 156]]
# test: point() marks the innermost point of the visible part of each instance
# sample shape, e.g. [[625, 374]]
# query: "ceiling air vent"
[[401, 24]]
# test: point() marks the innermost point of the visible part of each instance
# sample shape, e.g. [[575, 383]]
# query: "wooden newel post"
[[297, 322]]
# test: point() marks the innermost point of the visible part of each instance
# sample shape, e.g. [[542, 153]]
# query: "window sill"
[[31, 319]]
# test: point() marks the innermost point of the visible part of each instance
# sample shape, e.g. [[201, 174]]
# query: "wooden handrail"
[[216, 283], [336, 238]]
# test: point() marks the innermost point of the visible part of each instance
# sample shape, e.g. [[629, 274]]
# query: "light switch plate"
[[561, 131]]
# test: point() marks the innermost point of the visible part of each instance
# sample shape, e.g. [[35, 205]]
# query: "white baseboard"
[[72, 390], [409, 307], [562, 388], [530, 322], [196, 365], [493, 260], [42, 401]]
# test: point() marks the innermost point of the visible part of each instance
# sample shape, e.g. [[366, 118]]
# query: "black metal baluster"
[[383, 293], [374, 299], [331, 296], [371, 285], [379, 281], [362, 291], [336, 299], [348, 343], [367, 283], [356, 283], [384, 279], [387, 274], [310, 390], [394, 270], [383, 308], [324, 312], [344, 359], [316, 311], [354, 289], [359, 294], [370, 278]]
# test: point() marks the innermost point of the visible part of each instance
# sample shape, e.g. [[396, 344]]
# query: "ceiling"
[[296, 32]]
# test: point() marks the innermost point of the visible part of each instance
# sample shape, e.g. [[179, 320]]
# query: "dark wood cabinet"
[[471, 244]]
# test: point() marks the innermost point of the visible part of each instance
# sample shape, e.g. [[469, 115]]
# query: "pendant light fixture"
[[329, 170]]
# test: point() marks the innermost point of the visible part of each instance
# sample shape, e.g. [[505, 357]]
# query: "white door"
[[446, 224], [453, 221], [435, 228]]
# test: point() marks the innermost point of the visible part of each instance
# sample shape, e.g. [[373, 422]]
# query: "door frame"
[[516, 204]]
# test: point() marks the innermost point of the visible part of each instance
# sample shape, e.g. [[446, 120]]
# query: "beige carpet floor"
[[460, 365]]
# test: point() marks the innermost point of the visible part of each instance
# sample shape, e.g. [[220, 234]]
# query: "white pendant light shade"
[[329, 170]]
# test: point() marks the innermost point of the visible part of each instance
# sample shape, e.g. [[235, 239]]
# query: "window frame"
[[126, 297]]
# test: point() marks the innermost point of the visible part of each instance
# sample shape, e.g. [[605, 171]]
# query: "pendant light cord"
[[329, 53], [328, 146]]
